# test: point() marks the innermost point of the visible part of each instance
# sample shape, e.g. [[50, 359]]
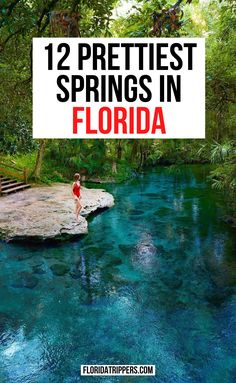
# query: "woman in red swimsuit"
[[76, 194]]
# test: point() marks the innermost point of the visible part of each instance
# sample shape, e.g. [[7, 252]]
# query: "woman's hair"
[[77, 177]]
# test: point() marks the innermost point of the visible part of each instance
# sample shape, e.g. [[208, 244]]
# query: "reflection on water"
[[152, 283]]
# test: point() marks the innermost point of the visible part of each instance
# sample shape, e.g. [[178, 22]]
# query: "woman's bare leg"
[[78, 209]]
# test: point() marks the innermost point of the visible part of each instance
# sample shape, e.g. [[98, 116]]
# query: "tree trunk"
[[114, 167], [141, 157], [39, 160], [134, 151], [119, 150]]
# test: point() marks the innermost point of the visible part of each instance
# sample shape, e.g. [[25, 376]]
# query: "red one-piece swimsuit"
[[76, 190]]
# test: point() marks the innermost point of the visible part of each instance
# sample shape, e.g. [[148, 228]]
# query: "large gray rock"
[[48, 213]]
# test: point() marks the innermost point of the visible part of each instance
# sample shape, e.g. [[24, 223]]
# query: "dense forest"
[[57, 160]]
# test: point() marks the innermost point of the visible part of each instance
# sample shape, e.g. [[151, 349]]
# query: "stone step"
[[6, 182], [11, 185], [15, 189]]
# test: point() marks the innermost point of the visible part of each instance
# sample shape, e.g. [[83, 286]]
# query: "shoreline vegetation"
[[120, 165], [51, 177]]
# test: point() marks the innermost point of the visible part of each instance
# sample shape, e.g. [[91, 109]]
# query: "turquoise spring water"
[[152, 283]]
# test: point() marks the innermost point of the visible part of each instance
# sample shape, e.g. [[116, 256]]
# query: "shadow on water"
[[152, 283]]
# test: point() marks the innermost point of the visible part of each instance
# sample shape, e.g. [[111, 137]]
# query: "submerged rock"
[[126, 249], [38, 269], [22, 257], [75, 274], [172, 281], [217, 297], [230, 220], [115, 261], [25, 279], [93, 250], [59, 269], [163, 211], [136, 212], [48, 213]]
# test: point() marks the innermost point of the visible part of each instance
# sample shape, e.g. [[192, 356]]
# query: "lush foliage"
[[20, 20]]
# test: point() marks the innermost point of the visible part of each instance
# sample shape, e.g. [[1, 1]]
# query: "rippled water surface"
[[152, 283]]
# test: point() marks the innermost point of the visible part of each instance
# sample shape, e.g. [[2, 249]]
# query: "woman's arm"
[[72, 190]]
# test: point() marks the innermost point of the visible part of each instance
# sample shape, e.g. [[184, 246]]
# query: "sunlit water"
[[152, 283]]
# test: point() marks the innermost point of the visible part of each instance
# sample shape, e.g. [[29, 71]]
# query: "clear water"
[[152, 283]]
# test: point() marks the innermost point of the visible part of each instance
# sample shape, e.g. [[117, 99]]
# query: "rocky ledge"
[[48, 213]]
